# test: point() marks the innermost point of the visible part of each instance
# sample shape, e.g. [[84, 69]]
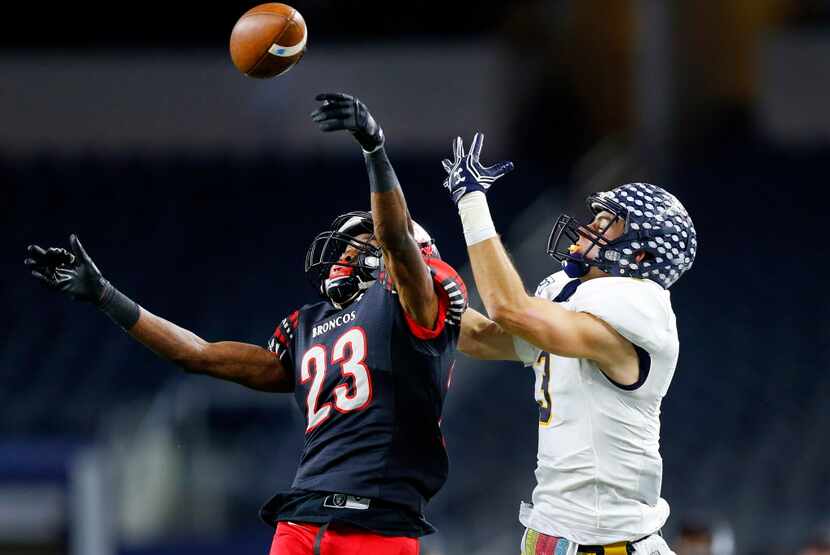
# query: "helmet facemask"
[[567, 231], [337, 279]]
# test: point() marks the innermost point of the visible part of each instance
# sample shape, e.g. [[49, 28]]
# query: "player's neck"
[[593, 273]]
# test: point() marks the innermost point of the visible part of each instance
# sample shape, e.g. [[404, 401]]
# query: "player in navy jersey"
[[369, 365]]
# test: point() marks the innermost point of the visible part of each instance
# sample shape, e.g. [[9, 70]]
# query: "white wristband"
[[475, 218]]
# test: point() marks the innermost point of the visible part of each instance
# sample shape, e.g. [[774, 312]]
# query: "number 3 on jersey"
[[353, 393]]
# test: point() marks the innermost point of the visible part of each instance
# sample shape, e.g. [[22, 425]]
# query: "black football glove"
[[343, 111], [73, 273]]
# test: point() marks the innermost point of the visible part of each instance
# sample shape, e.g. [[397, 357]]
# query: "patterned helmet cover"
[[655, 223]]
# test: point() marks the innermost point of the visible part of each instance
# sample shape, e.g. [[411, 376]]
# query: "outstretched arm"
[[401, 253], [484, 339], [543, 323], [243, 363], [393, 225], [537, 321], [76, 274]]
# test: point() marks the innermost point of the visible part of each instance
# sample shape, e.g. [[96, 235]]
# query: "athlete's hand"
[[343, 111], [466, 174], [73, 273]]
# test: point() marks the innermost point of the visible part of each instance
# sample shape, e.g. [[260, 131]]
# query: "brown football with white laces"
[[268, 40]]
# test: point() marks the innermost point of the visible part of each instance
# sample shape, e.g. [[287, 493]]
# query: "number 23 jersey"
[[371, 384]]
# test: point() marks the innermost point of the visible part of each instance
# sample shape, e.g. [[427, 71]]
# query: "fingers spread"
[[498, 170], [475, 148], [447, 165], [505, 167], [458, 149]]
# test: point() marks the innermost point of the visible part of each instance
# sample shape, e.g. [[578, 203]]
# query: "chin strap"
[[575, 268], [361, 287]]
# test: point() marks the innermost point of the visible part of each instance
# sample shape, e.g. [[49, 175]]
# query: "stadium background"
[[197, 192]]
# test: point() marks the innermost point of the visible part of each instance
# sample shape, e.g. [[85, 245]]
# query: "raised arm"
[[543, 323], [484, 339], [243, 363], [76, 274], [537, 321], [393, 225]]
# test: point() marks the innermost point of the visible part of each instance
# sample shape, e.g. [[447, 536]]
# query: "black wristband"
[[370, 142], [382, 176], [119, 307]]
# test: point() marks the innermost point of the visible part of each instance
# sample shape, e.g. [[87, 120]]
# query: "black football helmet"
[[340, 280]]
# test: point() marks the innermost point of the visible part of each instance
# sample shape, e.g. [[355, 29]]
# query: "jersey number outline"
[[345, 398], [545, 408]]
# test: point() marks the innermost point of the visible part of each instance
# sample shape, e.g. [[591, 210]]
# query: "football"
[[268, 40]]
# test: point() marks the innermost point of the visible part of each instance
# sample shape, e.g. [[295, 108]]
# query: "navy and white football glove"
[[466, 173]]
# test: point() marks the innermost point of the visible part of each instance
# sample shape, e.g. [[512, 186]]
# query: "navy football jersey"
[[371, 384]]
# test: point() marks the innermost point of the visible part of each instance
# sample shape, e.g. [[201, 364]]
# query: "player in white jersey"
[[602, 340]]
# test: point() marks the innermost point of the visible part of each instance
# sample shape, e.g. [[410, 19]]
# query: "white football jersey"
[[599, 469]]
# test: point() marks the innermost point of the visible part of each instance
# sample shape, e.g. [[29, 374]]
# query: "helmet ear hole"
[[642, 256]]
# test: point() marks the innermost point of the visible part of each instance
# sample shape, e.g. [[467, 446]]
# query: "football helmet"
[[656, 223], [340, 279]]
